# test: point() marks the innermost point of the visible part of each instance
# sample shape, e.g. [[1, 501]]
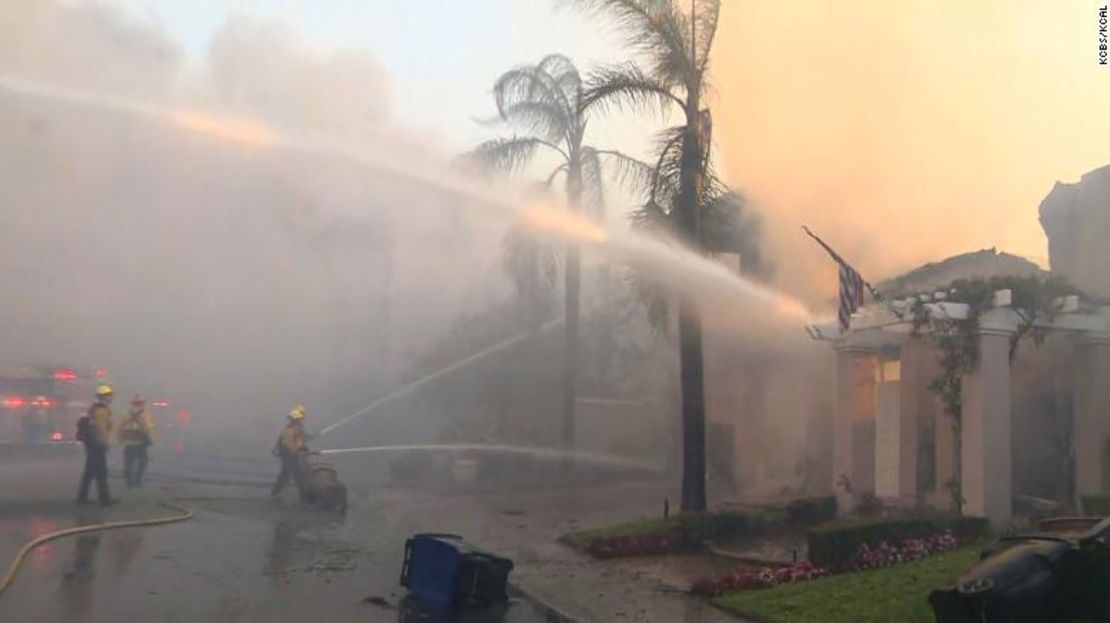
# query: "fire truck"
[[41, 404]]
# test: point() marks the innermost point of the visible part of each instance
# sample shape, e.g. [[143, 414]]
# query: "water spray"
[[687, 267], [404, 390], [535, 452]]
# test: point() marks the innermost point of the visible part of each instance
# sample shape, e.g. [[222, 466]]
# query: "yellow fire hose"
[[9, 577]]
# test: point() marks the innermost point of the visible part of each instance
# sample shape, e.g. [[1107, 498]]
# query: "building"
[[1022, 410], [1076, 219]]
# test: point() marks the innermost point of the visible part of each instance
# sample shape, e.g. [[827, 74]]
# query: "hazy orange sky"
[[907, 131], [903, 131]]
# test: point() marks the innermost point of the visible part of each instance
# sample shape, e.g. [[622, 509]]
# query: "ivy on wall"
[[958, 341]]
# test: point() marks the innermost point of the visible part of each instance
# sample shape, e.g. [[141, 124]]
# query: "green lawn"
[[895, 594], [582, 538], [694, 526]]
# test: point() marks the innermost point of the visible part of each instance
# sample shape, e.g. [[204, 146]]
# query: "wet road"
[[244, 557]]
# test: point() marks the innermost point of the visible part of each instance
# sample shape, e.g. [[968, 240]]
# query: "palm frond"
[[651, 217], [562, 71], [540, 118], [667, 173], [507, 154], [516, 85], [546, 97], [707, 15], [654, 29], [526, 84], [593, 183], [631, 173], [546, 186], [626, 86]]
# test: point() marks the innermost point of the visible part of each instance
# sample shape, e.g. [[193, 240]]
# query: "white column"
[[1092, 414], [914, 395], [853, 457], [888, 430], [986, 466]]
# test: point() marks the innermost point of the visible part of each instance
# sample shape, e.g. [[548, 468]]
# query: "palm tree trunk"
[[689, 322], [570, 347], [572, 294], [693, 406]]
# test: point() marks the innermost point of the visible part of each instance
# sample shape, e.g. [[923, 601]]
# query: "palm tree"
[[675, 46], [546, 102]]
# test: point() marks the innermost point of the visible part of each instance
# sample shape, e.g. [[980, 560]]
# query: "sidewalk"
[[525, 526]]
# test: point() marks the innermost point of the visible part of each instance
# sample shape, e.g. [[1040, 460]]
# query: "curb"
[[743, 558], [554, 613]]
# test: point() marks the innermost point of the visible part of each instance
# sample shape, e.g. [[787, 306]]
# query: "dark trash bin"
[[441, 569], [1024, 581]]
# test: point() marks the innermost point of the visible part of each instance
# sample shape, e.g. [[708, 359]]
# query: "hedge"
[[684, 531], [833, 544], [1096, 505], [809, 511]]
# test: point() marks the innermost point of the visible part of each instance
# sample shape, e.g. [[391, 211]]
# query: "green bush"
[[698, 527], [834, 543], [809, 511], [1096, 505], [689, 529]]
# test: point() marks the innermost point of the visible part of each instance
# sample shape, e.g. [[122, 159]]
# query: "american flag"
[[851, 285]]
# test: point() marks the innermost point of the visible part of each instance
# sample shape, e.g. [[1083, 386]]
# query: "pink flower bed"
[[885, 553], [867, 557], [744, 579]]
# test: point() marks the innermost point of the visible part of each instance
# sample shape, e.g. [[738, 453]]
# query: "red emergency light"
[[14, 402], [65, 374], [42, 402], [100, 373], [56, 436], [160, 403]]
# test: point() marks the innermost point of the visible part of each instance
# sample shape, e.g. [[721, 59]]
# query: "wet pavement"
[[246, 557], [525, 525], [243, 557]]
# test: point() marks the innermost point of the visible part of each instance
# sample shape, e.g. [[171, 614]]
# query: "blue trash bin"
[[442, 570]]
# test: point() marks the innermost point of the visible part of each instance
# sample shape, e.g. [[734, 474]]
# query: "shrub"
[[809, 511], [869, 505], [1096, 505], [698, 527], [835, 543], [683, 532]]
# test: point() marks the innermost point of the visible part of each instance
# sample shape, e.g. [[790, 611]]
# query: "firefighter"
[[136, 434], [95, 432], [291, 448]]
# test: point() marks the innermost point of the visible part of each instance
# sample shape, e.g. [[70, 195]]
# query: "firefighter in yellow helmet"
[[291, 448], [136, 434], [94, 430]]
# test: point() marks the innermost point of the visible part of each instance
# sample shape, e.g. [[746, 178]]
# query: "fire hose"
[[9, 577]]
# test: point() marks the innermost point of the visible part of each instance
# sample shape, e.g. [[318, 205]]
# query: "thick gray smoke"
[[237, 276], [234, 279]]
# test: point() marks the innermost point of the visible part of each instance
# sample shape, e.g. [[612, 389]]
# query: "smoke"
[[905, 132], [235, 279], [87, 46]]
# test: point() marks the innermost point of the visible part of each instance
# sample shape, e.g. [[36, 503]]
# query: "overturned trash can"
[[442, 570], [1059, 574]]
